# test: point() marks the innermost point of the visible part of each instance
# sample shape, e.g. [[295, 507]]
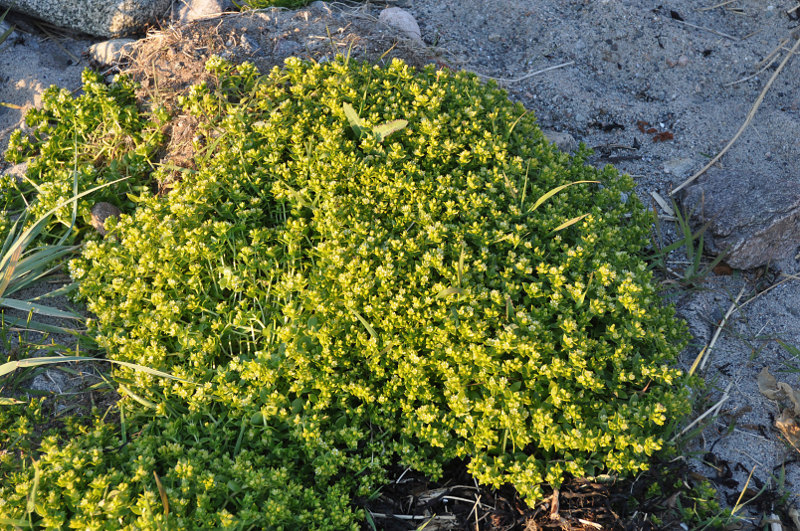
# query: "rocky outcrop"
[[96, 17]]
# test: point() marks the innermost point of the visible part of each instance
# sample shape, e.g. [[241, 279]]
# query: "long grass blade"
[[9, 402], [569, 223], [34, 230], [39, 309], [553, 192], [9, 267], [27, 324], [63, 290], [36, 362]]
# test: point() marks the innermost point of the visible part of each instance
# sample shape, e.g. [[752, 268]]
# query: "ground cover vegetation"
[[363, 266]]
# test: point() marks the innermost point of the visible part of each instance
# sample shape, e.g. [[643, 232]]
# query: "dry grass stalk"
[[526, 76], [747, 121], [720, 327]]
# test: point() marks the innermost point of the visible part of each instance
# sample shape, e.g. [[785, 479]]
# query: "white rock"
[[186, 11], [403, 21], [109, 52]]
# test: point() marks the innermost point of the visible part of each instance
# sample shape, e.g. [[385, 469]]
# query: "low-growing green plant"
[[452, 288], [100, 137]]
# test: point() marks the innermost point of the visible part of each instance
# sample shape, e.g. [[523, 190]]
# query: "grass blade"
[[35, 362], [553, 192], [37, 474], [366, 324], [39, 309], [9, 402], [569, 223]]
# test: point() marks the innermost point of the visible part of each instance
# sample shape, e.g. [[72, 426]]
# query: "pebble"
[[563, 141], [100, 212], [403, 21], [108, 52], [191, 10], [321, 6]]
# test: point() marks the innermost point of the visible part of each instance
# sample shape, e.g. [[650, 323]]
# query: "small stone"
[[191, 10], [563, 141], [403, 21], [100, 212], [17, 171], [679, 167], [494, 37], [109, 52], [322, 7], [683, 60]]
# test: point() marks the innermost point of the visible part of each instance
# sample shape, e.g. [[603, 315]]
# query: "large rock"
[[755, 217], [103, 18]]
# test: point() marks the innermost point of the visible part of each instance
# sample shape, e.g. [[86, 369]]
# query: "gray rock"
[[109, 52], [756, 218], [51, 381], [322, 7], [679, 167], [95, 17], [17, 171], [185, 11], [403, 21], [100, 212], [563, 141]]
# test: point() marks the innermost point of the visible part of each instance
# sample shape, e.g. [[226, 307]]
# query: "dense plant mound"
[[365, 267]]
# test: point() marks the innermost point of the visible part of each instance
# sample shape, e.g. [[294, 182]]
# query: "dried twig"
[[444, 517], [760, 293], [747, 121], [526, 76], [715, 32], [721, 4], [742, 80], [711, 411], [720, 327]]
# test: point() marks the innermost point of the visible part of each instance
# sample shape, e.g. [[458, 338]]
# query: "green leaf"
[[11, 521], [37, 475], [446, 292], [143, 401], [39, 309], [365, 323], [386, 129], [352, 116]]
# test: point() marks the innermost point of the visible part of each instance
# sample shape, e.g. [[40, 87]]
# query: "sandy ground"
[[693, 70]]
